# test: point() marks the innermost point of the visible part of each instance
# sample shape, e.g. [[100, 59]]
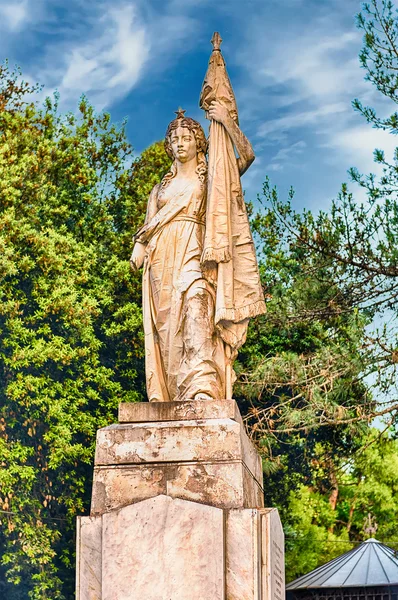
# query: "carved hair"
[[201, 149]]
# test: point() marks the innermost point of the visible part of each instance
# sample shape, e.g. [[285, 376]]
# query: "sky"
[[293, 65]]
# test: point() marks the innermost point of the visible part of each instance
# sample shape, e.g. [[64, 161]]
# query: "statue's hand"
[[137, 257], [219, 113]]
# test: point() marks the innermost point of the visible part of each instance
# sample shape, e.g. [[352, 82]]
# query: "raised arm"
[[219, 113]]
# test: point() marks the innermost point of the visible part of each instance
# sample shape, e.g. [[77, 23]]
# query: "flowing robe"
[[184, 355]]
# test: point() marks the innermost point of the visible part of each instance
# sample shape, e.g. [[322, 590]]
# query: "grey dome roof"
[[370, 564]]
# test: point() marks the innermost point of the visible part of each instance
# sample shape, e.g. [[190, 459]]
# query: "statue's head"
[[184, 136]]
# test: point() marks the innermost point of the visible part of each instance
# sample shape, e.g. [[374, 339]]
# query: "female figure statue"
[[185, 355], [201, 282]]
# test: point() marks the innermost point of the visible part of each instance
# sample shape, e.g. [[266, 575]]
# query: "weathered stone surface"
[[254, 555], [211, 461], [115, 487], [253, 493], [218, 439], [163, 549], [243, 554], [251, 458], [170, 441], [89, 558], [221, 484], [146, 412], [218, 484], [273, 556]]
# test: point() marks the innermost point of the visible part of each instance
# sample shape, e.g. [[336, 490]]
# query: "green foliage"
[[322, 364], [302, 367], [309, 538], [70, 321], [335, 273], [71, 340], [301, 388], [323, 521]]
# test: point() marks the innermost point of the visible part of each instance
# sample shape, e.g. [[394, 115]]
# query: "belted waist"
[[188, 218]]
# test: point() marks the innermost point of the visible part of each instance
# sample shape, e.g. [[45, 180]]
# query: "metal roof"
[[369, 564]]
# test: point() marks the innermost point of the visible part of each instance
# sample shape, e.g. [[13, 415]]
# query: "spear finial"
[[216, 40], [180, 113]]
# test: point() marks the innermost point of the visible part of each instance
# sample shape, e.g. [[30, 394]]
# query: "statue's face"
[[183, 144]]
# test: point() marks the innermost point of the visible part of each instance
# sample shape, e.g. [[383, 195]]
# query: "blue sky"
[[293, 64]]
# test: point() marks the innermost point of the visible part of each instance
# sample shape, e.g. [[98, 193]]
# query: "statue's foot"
[[202, 396]]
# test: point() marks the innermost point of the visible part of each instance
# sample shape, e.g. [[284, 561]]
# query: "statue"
[[200, 278]]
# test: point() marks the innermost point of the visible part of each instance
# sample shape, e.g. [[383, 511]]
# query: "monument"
[[177, 504]]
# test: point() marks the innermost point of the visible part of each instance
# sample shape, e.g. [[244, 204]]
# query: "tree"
[[349, 253], [301, 390], [302, 367], [71, 342], [320, 526], [70, 321], [322, 364]]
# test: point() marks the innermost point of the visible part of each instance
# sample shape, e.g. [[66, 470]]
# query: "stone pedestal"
[[191, 450], [177, 510]]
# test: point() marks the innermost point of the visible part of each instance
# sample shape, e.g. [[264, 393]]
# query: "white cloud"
[[287, 154], [274, 167], [109, 49], [178, 5], [108, 64], [314, 116], [314, 60], [314, 65], [14, 15], [302, 84], [356, 145]]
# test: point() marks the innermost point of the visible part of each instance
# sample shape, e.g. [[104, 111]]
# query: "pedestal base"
[[177, 511], [191, 450], [172, 549]]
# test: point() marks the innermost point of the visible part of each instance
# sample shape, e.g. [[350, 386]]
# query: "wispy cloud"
[[13, 15], [108, 48], [277, 127], [293, 65], [108, 64], [316, 57], [303, 78], [357, 144], [310, 75], [313, 65], [287, 155]]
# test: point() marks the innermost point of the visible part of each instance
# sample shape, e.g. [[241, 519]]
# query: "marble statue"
[[200, 276]]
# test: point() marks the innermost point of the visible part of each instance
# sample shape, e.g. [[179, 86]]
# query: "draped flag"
[[229, 258]]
